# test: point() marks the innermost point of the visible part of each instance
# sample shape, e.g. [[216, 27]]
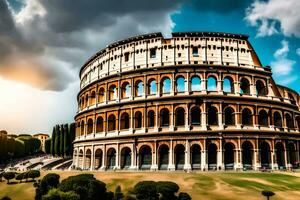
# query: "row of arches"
[[230, 157], [164, 118], [195, 84]]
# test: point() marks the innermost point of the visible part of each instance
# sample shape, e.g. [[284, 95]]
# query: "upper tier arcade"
[[154, 51]]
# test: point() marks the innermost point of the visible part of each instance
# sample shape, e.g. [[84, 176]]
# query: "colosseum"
[[194, 101]]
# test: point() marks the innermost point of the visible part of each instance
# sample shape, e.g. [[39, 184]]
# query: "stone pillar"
[[238, 163], [270, 92], [220, 162], [204, 86], [131, 121], [238, 118], [219, 86], [83, 159], [187, 84], [203, 117], [171, 166], [173, 83], [204, 165], [103, 167], [92, 159], [156, 119], [172, 120], [187, 115], [187, 160], [154, 166], [253, 88], [118, 158], [220, 118]]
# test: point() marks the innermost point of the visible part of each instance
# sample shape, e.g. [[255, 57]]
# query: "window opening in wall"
[[195, 51], [126, 56], [152, 52]]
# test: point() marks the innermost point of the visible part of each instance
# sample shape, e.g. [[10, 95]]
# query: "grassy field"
[[208, 185]]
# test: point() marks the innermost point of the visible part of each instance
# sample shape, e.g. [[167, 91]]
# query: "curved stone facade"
[[196, 101]]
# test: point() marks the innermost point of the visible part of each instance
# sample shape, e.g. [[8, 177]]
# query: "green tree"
[[48, 182], [20, 177], [6, 198], [8, 176], [66, 140], [52, 151], [55, 194], [61, 142], [146, 190], [267, 194], [1, 175], [72, 132], [48, 146], [167, 190], [184, 196], [118, 193], [34, 174], [86, 186], [19, 148], [57, 140]]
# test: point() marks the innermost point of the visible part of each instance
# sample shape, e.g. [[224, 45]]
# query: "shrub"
[[8, 176], [34, 174], [184, 196], [48, 182], [6, 198], [55, 194], [1, 175], [267, 193], [118, 193], [146, 190], [20, 177], [167, 190], [86, 186]]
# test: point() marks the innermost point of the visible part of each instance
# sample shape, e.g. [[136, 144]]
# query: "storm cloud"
[[44, 43]]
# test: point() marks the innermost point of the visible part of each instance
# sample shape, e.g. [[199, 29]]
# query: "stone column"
[[187, 84], [156, 119], [103, 167], [171, 166], [83, 159], [219, 86], [187, 160], [203, 117], [131, 121], [173, 83], [253, 88], [118, 157], [172, 119], [92, 159], [204, 86], [220, 162]]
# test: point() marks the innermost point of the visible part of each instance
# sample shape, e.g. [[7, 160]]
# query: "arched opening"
[[298, 122], [229, 116], [166, 86], [151, 118], [88, 156], [93, 98], [152, 87], [80, 159], [277, 119], [145, 157], [179, 157], [196, 84], [112, 92], [247, 155], [139, 89], [212, 84], [245, 86], [279, 148], [90, 125], [289, 121], [125, 158], [111, 158], [180, 84], [261, 89], [138, 119], [263, 118], [99, 125], [212, 116], [247, 117], [164, 117], [265, 155], [292, 99], [229, 156], [163, 157], [98, 158], [101, 95], [196, 157], [196, 116], [111, 123], [124, 121], [228, 85], [82, 128], [125, 90], [212, 156], [180, 117], [292, 155]]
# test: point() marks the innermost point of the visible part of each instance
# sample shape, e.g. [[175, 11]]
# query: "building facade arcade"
[[196, 101]]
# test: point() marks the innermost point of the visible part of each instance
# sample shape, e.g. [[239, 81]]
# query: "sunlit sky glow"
[[43, 44]]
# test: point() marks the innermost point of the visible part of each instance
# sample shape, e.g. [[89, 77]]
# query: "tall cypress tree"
[[52, 149], [57, 139], [61, 142], [66, 140], [72, 131]]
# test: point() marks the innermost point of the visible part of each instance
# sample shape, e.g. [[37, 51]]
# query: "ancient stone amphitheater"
[[195, 101]]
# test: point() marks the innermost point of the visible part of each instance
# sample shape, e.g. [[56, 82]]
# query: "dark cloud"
[[47, 41], [220, 6]]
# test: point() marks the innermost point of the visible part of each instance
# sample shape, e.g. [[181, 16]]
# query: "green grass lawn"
[[208, 185]]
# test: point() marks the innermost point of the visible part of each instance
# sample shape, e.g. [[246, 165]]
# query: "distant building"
[[42, 137]]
